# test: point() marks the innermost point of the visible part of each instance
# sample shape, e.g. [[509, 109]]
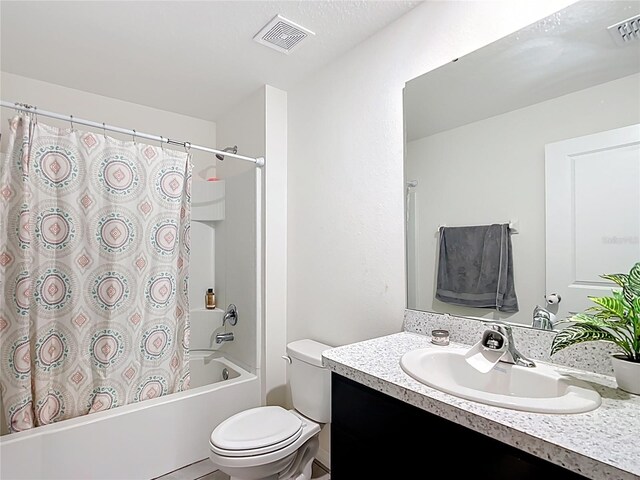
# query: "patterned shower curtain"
[[94, 252]]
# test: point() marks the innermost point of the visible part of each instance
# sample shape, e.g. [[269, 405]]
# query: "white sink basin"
[[539, 389]]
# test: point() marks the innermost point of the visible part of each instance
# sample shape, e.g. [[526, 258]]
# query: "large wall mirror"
[[539, 130]]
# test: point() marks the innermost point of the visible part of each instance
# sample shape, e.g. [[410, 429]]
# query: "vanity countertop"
[[601, 444]]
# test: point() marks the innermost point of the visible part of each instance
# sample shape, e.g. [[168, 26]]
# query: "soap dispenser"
[[210, 300]]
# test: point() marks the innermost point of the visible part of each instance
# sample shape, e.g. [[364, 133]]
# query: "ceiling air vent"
[[282, 35], [626, 32]]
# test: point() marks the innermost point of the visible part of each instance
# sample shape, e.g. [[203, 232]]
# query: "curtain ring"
[[134, 136], [187, 146], [161, 143], [104, 130], [32, 114], [71, 122]]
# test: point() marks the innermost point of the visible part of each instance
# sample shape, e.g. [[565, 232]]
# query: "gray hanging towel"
[[475, 267]]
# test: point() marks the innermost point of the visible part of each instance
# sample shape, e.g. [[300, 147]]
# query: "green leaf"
[[586, 318], [617, 294], [634, 276], [600, 313], [603, 320], [634, 319], [631, 290], [610, 304], [618, 278], [579, 333], [614, 319]]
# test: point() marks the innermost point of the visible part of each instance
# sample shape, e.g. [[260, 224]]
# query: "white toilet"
[[269, 443]]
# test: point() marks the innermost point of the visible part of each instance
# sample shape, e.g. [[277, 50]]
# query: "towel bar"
[[514, 226]]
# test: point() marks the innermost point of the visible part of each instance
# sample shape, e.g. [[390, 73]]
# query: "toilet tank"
[[310, 382]]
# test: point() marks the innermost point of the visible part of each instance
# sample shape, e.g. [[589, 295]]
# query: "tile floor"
[[203, 470]]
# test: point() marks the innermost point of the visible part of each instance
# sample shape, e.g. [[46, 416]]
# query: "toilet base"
[[306, 473], [301, 467], [296, 466]]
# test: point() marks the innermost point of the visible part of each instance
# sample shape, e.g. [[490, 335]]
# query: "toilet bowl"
[[270, 442], [264, 443]]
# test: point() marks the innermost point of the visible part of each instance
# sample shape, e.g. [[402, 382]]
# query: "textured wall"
[[346, 277]]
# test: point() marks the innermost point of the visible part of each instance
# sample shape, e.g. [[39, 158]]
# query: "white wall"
[[493, 170], [275, 247], [90, 106], [346, 277]]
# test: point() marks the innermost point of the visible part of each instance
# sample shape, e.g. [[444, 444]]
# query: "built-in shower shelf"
[[207, 200]]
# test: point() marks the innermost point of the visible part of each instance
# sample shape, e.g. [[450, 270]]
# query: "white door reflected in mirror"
[[593, 214]]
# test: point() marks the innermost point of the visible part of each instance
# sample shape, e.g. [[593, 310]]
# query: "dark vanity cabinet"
[[375, 436]]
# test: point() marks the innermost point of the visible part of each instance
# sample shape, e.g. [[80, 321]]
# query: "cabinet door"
[[592, 214], [376, 436]]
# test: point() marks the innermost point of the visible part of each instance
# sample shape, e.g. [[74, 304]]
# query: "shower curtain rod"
[[259, 161]]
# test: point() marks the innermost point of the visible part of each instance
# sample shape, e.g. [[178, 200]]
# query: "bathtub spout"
[[224, 337]]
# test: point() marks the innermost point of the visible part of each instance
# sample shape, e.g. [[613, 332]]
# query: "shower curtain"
[[94, 253]]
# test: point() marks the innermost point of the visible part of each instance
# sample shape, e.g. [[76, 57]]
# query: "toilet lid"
[[256, 431]]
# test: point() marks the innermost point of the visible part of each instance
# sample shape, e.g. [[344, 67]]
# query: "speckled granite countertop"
[[601, 444]]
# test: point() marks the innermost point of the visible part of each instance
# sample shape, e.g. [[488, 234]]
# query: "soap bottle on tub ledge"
[[210, 299]]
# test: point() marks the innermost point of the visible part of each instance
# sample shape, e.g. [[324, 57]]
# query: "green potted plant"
[[613, 319]]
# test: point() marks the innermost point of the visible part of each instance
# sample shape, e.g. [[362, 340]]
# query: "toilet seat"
[[256, 431], [243, 459]]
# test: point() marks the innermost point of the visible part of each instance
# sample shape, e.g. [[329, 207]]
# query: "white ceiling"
[[568, 51], [192, 57]]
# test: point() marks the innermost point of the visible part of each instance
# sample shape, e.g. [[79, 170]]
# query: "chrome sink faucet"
[[542, 318], [499, 337]]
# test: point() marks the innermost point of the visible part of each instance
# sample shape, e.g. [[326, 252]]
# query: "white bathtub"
[[138, 441]]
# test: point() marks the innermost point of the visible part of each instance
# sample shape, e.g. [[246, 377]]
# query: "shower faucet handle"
[[231, 315]]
